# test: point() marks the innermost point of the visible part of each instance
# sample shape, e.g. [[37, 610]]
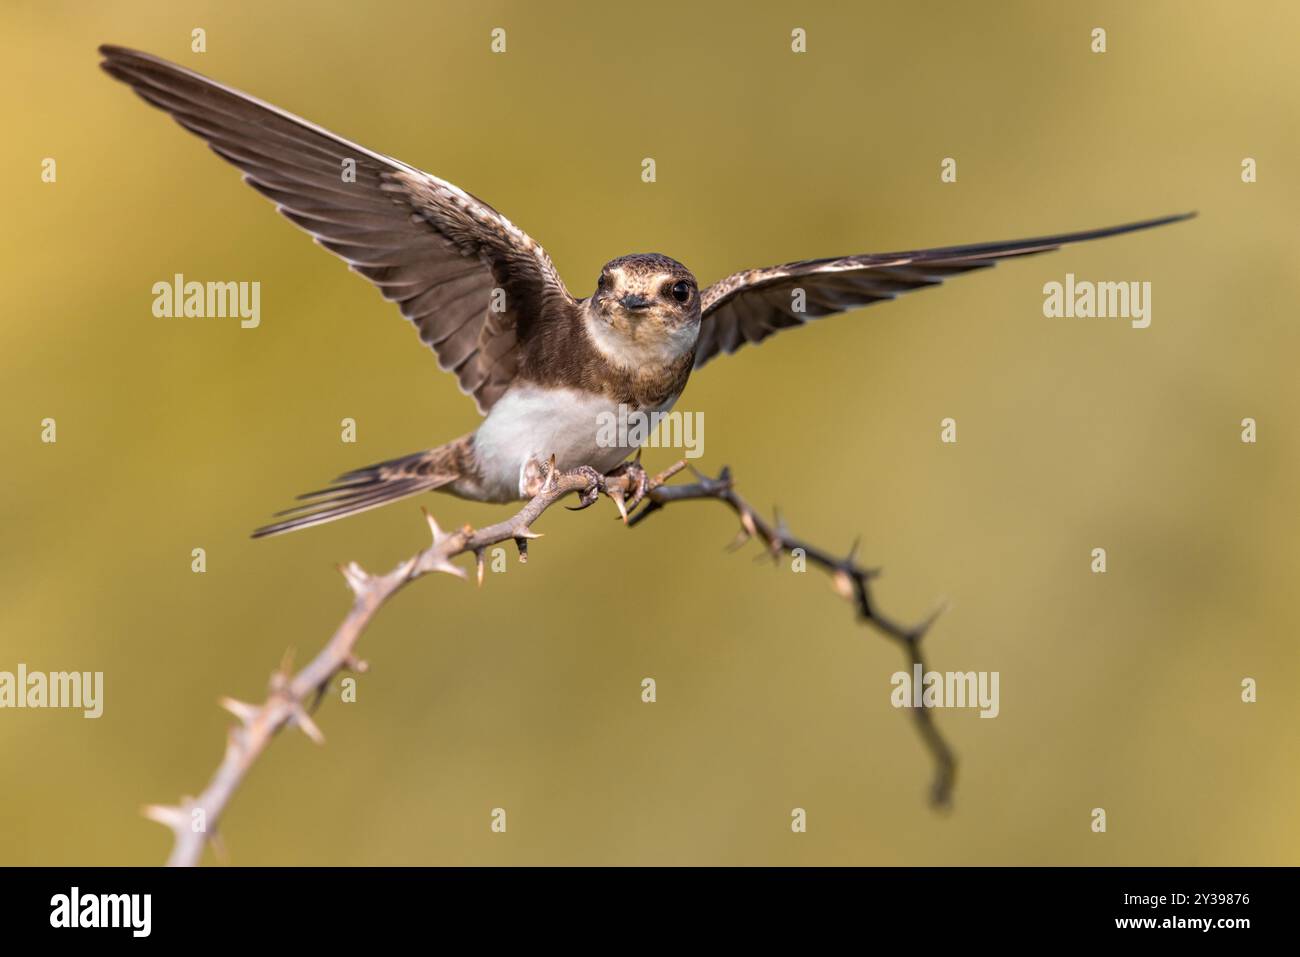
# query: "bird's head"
[[646, 308]]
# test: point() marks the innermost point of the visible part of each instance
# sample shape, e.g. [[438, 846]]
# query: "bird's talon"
[[595, 485], [641, 485], [638, 482]]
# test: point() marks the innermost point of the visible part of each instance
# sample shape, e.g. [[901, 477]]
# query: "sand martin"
[[541, 365]]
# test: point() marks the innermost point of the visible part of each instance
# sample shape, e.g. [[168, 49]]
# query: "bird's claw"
[[637, 484], [627, 485], [589, 495]]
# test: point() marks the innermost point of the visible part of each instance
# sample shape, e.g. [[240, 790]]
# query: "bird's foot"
[[595, 485], [536, 477], [627, 486]]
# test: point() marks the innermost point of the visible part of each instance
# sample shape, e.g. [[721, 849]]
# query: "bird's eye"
[[681, 290]]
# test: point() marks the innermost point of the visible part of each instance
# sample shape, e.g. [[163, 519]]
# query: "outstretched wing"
[[432, 248], [749, 306]]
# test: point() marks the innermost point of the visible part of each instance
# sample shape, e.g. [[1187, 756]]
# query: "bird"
[[541, 365]]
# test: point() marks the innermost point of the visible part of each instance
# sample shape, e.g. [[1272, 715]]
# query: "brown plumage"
[[747, 307], [540, 364], [376, 485]]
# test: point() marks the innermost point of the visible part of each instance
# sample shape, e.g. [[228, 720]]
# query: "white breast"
[[532, 422]]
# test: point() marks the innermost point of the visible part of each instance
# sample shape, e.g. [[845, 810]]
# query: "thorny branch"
[[292, 696]]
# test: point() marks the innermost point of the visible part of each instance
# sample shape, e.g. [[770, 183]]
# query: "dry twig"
[[292, 696]]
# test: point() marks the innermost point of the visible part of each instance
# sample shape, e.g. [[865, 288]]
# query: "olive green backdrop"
[[1119, 691]]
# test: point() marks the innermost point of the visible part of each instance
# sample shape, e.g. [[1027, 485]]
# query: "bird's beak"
[[634, 302]]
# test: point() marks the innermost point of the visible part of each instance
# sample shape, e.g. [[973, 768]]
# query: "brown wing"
[[749, 306], [429, 246]]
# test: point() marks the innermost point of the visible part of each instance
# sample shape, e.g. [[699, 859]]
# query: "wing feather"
[[749, 306], [427, 244]]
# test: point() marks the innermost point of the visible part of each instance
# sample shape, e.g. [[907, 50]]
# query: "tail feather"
[[382, 491], [363, 489]]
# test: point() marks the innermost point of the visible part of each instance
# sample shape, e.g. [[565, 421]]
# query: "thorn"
[[445, 566], [280, 677], [168, 815], [853, 551], [356, 577], [356, 664], [551, 475], [741, 538], [747, 520], [309, 727], [924, 627], [776, 541], [242, 710], [782, 529], [479, 562], [438, 533], [526, 532]]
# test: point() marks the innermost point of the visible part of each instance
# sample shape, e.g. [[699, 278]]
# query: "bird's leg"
[[535, 476]]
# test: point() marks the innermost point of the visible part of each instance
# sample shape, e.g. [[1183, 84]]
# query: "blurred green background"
[[1119, 691]]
